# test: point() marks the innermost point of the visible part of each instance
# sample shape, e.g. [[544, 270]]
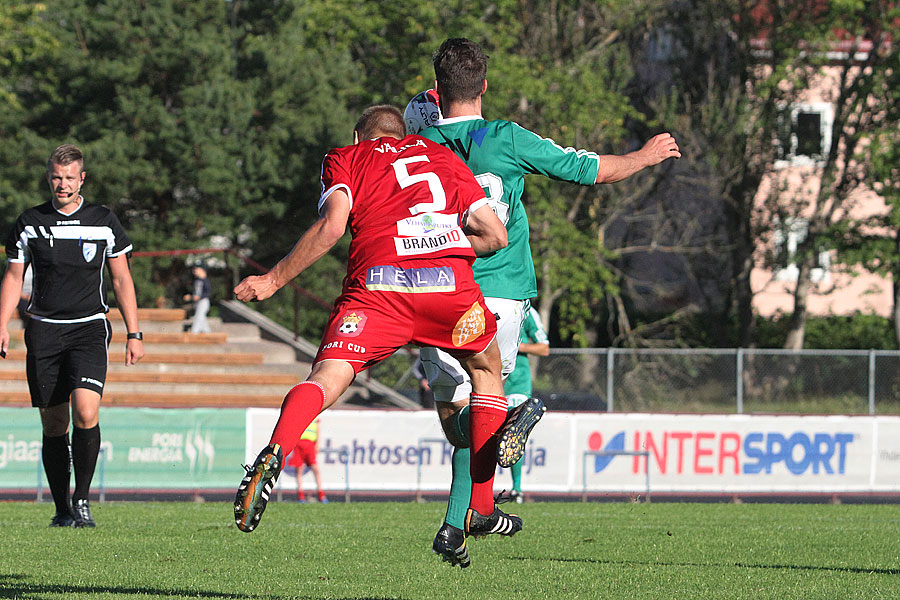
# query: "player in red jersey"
[[417, 218]]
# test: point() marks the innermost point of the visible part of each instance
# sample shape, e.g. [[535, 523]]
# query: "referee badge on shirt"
[[88, 251]]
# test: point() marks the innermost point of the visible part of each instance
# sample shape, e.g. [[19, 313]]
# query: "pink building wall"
[[838, 289]]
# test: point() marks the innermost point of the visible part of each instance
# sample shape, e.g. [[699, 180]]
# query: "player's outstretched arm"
[[485, 231], [614, 168], [313, 245]]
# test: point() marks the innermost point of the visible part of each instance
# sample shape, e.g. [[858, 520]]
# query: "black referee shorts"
[[65, 356]]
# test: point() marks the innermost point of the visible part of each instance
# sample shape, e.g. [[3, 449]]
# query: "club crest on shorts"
[[469, 327], [352, 323], [88, 251]]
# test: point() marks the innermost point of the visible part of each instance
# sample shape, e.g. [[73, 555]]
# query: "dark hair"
[[460, 68], [65, 155], [380, 120]]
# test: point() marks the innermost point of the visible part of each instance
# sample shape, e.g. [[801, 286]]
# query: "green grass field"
[[383, 550]]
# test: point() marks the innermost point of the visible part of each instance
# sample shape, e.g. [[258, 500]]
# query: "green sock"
[[460, 489], [516, 471]]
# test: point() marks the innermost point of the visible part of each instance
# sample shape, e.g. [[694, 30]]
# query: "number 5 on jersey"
[[405, 179]]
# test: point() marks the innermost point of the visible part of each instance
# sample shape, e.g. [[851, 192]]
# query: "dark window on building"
[[809, 134]]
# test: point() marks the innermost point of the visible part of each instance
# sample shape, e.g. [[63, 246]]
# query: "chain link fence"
[[709, 380]]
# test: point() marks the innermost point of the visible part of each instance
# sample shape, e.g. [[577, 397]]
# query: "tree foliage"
[[204, 123]]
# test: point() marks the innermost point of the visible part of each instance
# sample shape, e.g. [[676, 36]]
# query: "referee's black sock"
[[85, 449], [55, 455]]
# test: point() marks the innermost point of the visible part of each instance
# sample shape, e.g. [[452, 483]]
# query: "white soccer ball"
[[422, 111], [347, 327]]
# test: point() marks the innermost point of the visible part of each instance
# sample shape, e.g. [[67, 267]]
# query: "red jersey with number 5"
[[408, 199]]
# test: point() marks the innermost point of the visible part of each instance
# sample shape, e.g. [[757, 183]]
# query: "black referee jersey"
[[67, 254]]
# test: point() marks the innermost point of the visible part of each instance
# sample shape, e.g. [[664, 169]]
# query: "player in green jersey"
[[517, 386], [500, 153]]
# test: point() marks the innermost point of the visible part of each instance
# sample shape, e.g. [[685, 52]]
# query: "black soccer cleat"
[[256, 486], [514, 432], [62, 519], [478, 525], [450, 543], [82, 509]]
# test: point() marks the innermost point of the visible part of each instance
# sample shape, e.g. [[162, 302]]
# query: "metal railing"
[[710, 380], [737, 380]]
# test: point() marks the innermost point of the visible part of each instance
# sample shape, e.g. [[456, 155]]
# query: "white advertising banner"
[[601, 452]]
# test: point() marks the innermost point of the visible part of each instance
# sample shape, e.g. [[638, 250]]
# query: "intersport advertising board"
[[395, 450]]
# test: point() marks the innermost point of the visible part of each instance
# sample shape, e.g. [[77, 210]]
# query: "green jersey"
[[500, 154], [519, 381]]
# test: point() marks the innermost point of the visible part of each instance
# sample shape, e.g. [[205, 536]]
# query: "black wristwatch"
[[137, 335]]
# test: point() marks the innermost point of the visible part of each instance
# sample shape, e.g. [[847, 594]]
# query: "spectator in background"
[[304, 455], [200, 298], [517, 386], [426, 396]]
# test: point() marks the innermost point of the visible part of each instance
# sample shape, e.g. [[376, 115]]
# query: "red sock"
[[486, 415], [301, 405]]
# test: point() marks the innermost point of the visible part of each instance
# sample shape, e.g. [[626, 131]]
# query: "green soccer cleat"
[[256, 486]]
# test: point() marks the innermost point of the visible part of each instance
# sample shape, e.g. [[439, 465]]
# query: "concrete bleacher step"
[[136, 386], [230, 378], [234, 358], [165, 400], [154, 337], [230, 367]]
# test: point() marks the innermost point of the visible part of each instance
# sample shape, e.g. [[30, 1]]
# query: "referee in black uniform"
[[68, 242]]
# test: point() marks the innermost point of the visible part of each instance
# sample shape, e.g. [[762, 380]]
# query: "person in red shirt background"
[[304, 455]]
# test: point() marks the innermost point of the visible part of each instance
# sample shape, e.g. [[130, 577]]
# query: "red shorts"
[[304, 453], [428, 304]]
